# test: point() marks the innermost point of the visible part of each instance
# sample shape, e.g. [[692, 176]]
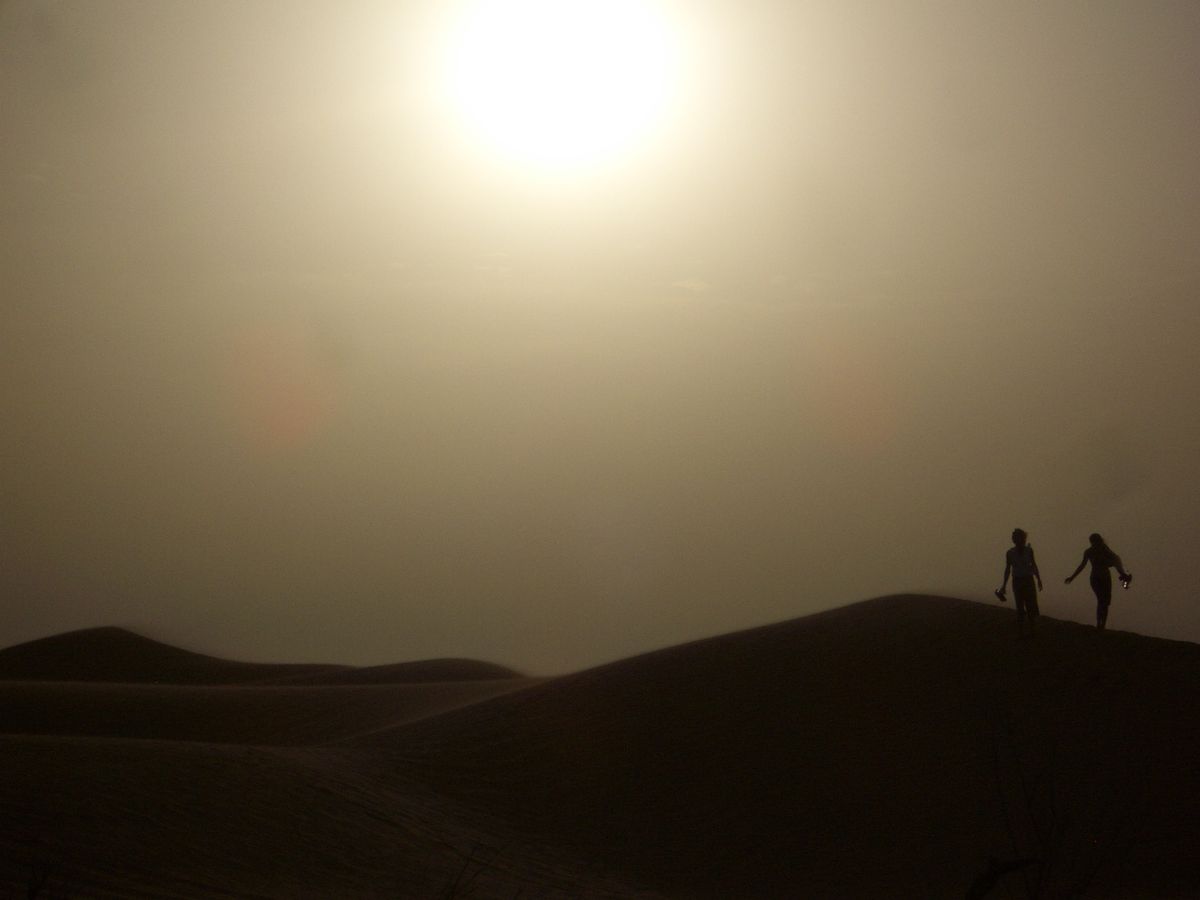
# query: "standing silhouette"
[[1102, 559], [1021, 564]]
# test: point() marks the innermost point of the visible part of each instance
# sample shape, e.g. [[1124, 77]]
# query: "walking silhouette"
[[1102, 558], [1020, 562]]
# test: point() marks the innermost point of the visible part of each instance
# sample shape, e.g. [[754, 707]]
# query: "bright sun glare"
[[561, 85]]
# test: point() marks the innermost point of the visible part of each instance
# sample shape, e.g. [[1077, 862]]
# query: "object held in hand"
[[1003, 599], [1126, 579]]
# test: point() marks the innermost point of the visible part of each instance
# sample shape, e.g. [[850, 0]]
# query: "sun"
[[560, 84]]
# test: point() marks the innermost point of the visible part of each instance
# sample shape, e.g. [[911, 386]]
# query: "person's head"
[[1019, 537], [1095, 539]]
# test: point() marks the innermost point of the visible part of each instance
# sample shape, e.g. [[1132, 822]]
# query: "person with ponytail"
[[1102, 558]]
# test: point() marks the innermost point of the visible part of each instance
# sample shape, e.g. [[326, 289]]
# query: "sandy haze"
[[290, 370], [380, 517], [906, 746]]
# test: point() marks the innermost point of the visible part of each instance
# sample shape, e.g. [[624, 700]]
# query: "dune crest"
[[110, 654], [900, 747]]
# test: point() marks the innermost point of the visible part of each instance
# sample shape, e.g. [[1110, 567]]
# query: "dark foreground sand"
[[886, 749]]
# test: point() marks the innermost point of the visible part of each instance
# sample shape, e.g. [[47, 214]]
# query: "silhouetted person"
[[1102, 559], [1020, 562]]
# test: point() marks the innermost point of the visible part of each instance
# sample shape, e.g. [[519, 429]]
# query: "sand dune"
[[121, 818], [886, 749], [108, 682], [117, 655], [243, 714], [423, 671]]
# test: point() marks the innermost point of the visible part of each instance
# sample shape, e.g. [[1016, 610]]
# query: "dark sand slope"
[[436, 670], [885, 749], [120, 818], [117, 655], [252, 714], [120, 789]]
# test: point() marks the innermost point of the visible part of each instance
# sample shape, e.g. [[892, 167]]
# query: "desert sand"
[[907, 746]]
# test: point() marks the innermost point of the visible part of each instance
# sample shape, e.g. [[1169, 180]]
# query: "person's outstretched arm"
[[1007, 569], [1120, 569], [1036, 573], [1082, 563]]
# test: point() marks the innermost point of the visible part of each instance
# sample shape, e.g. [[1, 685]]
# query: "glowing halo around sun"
[[560, 85]]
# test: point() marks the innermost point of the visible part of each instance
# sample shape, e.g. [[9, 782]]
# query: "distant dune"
[[901, 747], [117, 655], [427, 670]]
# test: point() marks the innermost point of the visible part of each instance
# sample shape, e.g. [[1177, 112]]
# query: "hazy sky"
[[294, 368]]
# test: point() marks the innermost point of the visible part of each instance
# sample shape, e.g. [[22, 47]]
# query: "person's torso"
[[1022, 561], [1100, 558]]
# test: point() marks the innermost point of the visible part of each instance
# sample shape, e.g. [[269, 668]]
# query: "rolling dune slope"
[[120, 656], [885, 749], [907, 746], [423, 671], [239, 714], [153, 773], [109, 818], [117, 655]]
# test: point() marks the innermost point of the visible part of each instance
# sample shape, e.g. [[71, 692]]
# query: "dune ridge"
[[872, 750], [111, 654], [903, 746]]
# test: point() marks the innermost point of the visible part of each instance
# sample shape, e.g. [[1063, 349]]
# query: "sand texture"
[[906, 746]]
